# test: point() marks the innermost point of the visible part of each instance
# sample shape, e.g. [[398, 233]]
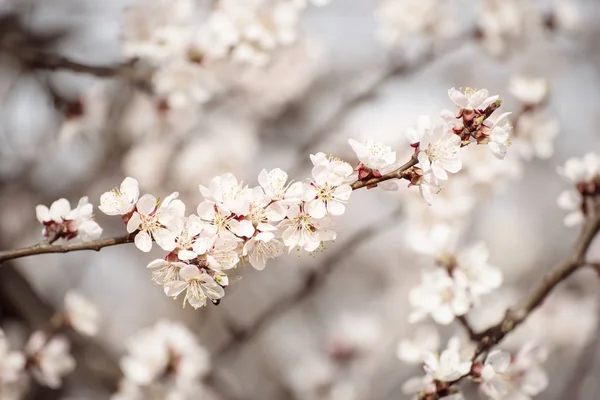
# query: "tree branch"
[[562, 271], [396, 174], [97, 245], [43, 248]]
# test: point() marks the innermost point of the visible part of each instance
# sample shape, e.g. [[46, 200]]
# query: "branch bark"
[[562, 271], [43, 248]]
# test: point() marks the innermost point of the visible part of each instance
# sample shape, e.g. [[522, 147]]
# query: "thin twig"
[[467, 325], [43, 248], [97, 245], [515, 317], [396, 174]]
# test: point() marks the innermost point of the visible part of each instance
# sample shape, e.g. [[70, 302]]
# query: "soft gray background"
[[246, 131]]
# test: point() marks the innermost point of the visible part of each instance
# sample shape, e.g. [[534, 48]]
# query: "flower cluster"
[[164, 359], [437, 145], [61, 223], [46, 357], [457, 283], [499, 374], [186, 43], [236, 223], [503, 376], [584, 173]]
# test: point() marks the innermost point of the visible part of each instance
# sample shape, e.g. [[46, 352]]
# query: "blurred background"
[[307, 327]]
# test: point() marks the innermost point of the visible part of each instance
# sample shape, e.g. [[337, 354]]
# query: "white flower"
[[520, 378], [262, 247], [572, 201], [191, 228], [161, 223], [183, 83], [426, 338], [14, 381], [57, 213], [373, 155], [274, 183], [528, 90], [165, 271], [352, 334], [494, 384], [12, 363], [60, 222], [471, 99], [198, 285], [472, 265], [82, 315], [226, 192], [120, 201], [52, 358], [167, 350], [446, 366], [499, 138], [327, 192], [439, 152], [263, 212], [581, 170], [224, 254], [440, 296], [535, 134], [300, 229], [414, 135]]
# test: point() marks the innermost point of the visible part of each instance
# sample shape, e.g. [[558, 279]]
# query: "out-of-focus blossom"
[[60, 222], [164, 359], [13, 381], [353, 334], [584, 173], [81, 314], [401, 21], [50, 357], [520, 377], [425, 339], [529, 90], [446, 366], [439, 295], [534, 135], [472, 265]]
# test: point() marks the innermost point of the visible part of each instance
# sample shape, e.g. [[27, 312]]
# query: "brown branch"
[[97, 245], [515, 317], [562, 271], [396, 174], [43, 248]]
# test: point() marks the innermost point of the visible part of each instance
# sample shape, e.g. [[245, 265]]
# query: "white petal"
[[146, 204], [134, 222], [42, 213], [143, 242]]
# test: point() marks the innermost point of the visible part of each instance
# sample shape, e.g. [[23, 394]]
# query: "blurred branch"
[[574, 387], [515, 317], [462, 320], [44, 248], [311, 282], [366, 92], [20, 298]]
